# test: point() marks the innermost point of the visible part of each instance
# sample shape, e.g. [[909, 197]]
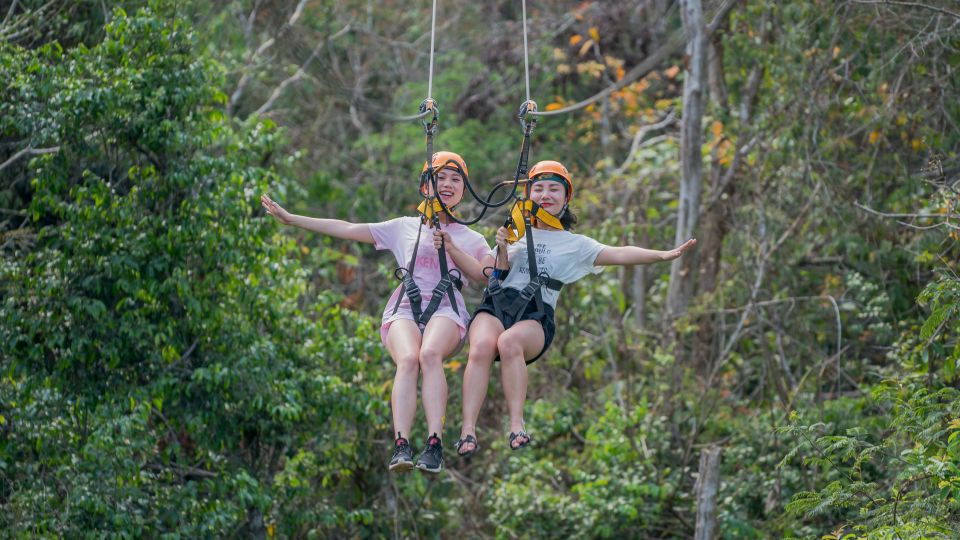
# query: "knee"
[[508, 348], [408, 364], [430, 358], [482, 350]]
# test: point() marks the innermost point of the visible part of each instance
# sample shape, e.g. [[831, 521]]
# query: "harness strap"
[[450, 280], [532, 265], [494, 291], [444, 287], [519, 219], [409, 286], [428, 211], [444, 273]]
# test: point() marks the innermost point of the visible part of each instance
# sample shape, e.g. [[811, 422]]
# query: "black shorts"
[[545, 317]]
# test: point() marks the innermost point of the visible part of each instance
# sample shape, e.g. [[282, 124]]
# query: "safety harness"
[[519, 224], [429, 210]]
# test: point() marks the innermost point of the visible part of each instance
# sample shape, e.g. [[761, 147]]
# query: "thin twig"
[[638, 138], [938, 9], [892, 215]]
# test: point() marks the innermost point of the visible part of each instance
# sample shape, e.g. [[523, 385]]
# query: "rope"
[[526, 63], [433, 28]]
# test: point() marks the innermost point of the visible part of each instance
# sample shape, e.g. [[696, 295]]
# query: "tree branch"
[[721, 14], [889, 215], [909, 4], [301, 71], [638, 138], [672, 46], [28, 151]]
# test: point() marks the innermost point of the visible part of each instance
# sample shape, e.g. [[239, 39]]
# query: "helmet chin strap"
[[562, 211]]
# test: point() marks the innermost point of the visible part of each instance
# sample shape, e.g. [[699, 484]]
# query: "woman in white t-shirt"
[[521, 335], [417, 346]]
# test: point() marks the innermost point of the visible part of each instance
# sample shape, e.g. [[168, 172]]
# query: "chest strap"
[[450, 280]]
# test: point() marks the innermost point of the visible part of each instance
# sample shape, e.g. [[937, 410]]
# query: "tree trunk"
[[682, 272], [714, 228], [255, 526], [708, 485]]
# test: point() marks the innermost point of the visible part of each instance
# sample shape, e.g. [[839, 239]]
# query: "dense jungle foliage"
[[174, 364]]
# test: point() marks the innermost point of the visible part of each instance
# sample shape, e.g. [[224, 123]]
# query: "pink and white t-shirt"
[[398, 235]]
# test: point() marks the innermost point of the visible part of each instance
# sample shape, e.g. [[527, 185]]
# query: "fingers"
[[685, 246], [272, 208], [440, 237], [267, 203]]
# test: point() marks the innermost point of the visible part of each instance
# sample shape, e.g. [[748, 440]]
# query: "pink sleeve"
[[386, 234], [479, 247]]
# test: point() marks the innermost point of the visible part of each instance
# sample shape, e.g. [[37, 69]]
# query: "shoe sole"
[[429, 470], [402, 466]]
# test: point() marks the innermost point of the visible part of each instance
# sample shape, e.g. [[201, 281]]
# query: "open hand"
[[680, 250], [275, 210]]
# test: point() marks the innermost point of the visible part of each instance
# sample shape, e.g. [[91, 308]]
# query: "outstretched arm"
[[467, 264], [358, 232], [630, 255]]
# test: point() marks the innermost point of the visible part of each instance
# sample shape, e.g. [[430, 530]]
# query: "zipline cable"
[[526, 62], [433, 29]]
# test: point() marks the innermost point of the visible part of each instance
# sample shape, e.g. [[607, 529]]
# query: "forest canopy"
[[174, 364]]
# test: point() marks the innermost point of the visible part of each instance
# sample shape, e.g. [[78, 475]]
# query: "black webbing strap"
[[444, 269], [409, 287], [444, 286], [494, 289], [532, 290]]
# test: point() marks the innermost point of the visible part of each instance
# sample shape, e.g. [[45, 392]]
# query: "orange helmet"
[[553, 168], [443, 159]]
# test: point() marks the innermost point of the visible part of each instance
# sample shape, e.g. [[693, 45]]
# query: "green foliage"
[[610, 487], [159, 374], [901, 480]]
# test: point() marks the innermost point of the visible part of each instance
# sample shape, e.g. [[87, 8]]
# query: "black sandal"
[[469, 439], [515, 436]]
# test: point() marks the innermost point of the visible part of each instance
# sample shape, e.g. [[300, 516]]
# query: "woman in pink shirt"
[[417, 346]]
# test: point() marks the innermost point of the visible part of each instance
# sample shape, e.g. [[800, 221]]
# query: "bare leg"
[[403, 342], [476, 377], [441, 338], [521, 342]]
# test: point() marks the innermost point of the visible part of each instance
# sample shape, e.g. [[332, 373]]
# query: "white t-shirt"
[[564, 256]]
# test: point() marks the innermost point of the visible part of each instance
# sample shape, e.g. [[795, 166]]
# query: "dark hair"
[[568, 220]]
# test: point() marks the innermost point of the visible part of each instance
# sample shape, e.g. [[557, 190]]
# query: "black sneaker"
[[402, 459], [431, 460]]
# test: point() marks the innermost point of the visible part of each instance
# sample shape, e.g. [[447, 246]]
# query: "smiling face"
[[450, 186], [550, 195]]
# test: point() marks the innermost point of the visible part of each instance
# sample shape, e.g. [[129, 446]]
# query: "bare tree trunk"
[[682, 272], [708, 485], [255, 526], [714, 228], [717, 209]]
